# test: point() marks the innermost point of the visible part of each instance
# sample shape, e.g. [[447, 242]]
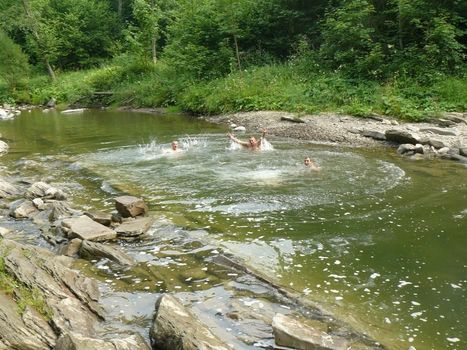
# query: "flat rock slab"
[[133, 228], [440, 131], [176, 327], [291, 333], [85, 228], [129, 206], [92, 250], [100, 217]]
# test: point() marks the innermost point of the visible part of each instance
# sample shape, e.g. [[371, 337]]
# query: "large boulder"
[[129, 206], [175, 327], [92, 250], [62, 300], [401, 136], [85, 228], [28, 331], [374, 134], [135, 227], [291, 333], [76, 341]]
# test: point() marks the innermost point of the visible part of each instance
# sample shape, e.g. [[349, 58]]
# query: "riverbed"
[[376, 239]]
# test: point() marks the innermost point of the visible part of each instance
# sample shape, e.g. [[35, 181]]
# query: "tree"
[[14, 66]]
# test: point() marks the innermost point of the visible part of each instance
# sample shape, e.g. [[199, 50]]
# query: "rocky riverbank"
[[444, 138]]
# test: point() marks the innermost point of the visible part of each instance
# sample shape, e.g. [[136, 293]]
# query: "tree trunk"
[[154, 49], [120, 7], [399, 18], [237, 53], [37, 37]]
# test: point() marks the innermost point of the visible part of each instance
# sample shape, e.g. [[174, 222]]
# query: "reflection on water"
[[376, 239]]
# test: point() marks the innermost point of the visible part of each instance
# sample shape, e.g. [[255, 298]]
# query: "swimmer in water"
[[174, 146], [310, 164], [252, 142]]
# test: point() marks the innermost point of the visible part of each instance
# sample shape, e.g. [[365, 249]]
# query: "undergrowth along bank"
[[291, 86]]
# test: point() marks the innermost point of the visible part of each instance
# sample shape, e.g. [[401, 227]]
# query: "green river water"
[[376, 239]]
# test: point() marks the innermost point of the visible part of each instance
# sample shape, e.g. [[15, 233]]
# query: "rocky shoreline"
[[444, 138]]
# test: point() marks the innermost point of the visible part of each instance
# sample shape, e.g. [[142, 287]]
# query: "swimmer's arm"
[[234, 139]]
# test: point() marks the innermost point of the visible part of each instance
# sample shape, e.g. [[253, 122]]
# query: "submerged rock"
[[85, 228], [175, 327], [129, 206]]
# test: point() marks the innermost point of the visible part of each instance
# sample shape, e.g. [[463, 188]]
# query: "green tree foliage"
[[14, 66]]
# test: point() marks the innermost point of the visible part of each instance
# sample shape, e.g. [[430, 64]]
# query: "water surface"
[[377, 239]]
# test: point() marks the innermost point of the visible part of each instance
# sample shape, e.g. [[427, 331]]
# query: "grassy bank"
[[285, 87]]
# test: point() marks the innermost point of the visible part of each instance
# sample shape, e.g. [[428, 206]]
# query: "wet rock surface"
[[129, 206], [85, 228], [175, 327]]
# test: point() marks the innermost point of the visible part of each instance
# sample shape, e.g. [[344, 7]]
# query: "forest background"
[[404, 58]]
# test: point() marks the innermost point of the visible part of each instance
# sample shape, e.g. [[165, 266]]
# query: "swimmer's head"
[[252, 141], [174, 145], [308, 161]]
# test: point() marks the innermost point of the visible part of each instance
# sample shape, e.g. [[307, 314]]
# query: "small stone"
[[129, 206]]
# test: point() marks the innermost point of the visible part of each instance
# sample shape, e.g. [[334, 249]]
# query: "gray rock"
[[59, 210], [24, 210], [174, 327], [406, 148], [239, 128], [69, 298], [135, 227], [463, 151], [44, 190], [76, 341], [38, 203], [51, 103], [100, 217], [436, 143], [29, 331], [4, 232], [85, 228], [7, 190], [401, 136], [72, 248], [3, 147], [293, 119], [446, 123], [291, 333], [91, 250], [455, 117], [440, 131], [129, 206], [377, 135]]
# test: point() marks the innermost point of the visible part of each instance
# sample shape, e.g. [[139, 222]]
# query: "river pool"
[[379, 240]]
